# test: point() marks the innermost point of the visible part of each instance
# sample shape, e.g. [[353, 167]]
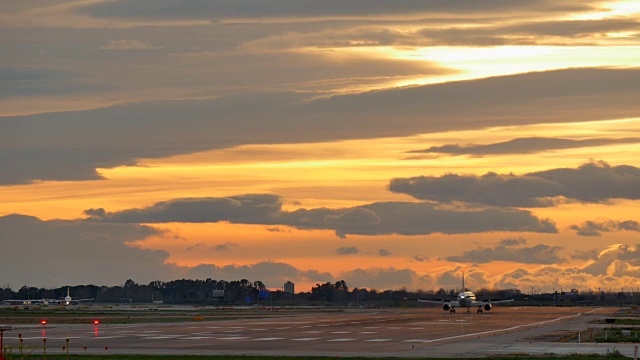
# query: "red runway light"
[[96, 322], [43, 322]]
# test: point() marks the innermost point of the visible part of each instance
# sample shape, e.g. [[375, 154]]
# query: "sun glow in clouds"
[[507, 60]]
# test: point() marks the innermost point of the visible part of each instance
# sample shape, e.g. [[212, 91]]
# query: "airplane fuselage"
[[466, 299]]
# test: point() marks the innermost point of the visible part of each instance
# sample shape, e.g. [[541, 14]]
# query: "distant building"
[[289, 287]]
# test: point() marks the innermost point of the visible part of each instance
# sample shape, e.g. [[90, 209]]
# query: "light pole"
[[2, 330]]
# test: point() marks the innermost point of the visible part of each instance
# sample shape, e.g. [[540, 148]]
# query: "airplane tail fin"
[[463, 288], [69, 291]]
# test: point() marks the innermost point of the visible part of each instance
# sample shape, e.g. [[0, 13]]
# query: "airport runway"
[[425, 332]]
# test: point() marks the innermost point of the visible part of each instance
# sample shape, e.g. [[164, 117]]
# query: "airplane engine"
[[487, 307], [446, 307]]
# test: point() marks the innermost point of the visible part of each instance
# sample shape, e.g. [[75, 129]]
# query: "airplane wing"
[[491, 302], [440, 302]]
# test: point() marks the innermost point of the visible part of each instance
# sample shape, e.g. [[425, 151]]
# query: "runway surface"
[[425, 332]]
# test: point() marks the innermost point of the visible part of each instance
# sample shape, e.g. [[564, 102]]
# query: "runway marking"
[[413, 340], [505, 329], [372, 327], [110, 337], [231, 331], [305, 339], [341, 332], [283, 328], [163, 337], [302, 327], [343, 339], [368, 332], [395, 328], [233, 338], [268, 339], [196, 338], [313, 332], [270, 322], [379, 340]]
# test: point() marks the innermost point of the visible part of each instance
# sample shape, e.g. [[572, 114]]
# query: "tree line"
[[243, 292]]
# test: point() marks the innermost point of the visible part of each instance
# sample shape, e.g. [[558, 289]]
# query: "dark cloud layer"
[[230, 9], [538, 254], [272, 274], [62, 252], [591, 182], [596, 228], [71, 145], [523, 146], [405, 218], [347, 250], [32, 81], [240, 209]]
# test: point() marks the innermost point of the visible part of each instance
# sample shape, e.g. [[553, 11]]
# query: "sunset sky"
[[388, 143]]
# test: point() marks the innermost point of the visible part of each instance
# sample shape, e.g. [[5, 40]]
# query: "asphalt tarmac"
[[424, 332]]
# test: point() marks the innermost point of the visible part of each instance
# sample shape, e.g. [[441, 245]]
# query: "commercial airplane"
[[66, 301], [465, 299]]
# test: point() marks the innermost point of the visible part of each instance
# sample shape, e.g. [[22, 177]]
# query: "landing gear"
[[479, 310], [452, 311], [468, 311]]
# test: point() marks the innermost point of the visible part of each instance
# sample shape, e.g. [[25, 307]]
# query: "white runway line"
[[268, 339], [341, 340], [233, 338], [306, 339], [379, 340]]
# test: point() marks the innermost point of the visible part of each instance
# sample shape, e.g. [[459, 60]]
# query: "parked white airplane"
[[66, 301], [465, 299]]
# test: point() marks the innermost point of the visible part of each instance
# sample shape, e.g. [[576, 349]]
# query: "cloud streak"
[[595, 182], [71, 145], [383, 218], [244, 9], [523, 146], [538, 254], [596, 228]]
